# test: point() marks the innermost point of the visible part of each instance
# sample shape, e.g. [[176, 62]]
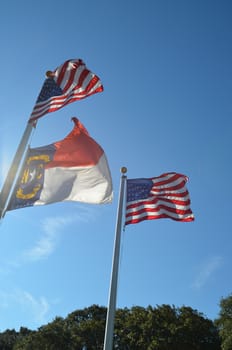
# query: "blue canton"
[[138, 189], [49, 89], [30, 183]]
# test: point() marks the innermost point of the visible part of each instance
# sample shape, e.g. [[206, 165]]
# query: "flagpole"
[[12, 172], [9, 181], [109, 330]]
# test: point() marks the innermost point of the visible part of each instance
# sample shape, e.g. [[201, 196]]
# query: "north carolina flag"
[[74, 169]]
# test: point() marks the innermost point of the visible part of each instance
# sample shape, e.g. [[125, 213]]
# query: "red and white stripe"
[[169, 198], [76, 81]]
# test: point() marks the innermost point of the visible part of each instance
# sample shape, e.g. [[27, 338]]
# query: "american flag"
[[69, 82], [165, 196]]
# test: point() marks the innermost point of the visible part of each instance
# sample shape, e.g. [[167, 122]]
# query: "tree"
[[7, 339], [163, 328], [53, 336], [89, 326], [224, 322], [196, 331], [81, 327]]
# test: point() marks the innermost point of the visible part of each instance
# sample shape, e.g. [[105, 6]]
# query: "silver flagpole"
[[109, 331], [10, 178], [9, 181]]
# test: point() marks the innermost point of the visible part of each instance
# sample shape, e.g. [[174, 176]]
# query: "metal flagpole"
[[10, 178], [109, 331], [9, 181]]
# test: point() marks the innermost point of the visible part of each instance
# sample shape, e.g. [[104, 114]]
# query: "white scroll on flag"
[[74, 169]]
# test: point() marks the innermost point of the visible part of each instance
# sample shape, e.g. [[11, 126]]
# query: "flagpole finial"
[[123, 170], [50, 74]]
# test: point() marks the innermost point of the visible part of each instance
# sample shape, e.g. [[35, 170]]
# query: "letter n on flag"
[[74, 169]]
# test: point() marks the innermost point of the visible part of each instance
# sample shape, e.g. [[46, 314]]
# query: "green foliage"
[[163, 327], [81, 327], [224, 322], [7, 339], [89, 325]]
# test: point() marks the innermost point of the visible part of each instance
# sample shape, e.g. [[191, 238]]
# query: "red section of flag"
[[76, 149], [165, 196], [70, 82]]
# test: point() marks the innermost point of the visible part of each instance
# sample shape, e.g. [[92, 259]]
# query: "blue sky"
[[166, 106]]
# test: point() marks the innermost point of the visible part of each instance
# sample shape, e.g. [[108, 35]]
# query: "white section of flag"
[[90, 184]]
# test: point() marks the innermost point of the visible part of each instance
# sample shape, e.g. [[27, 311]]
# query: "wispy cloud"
[[206, 271], [36, 309], [51, 229]]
